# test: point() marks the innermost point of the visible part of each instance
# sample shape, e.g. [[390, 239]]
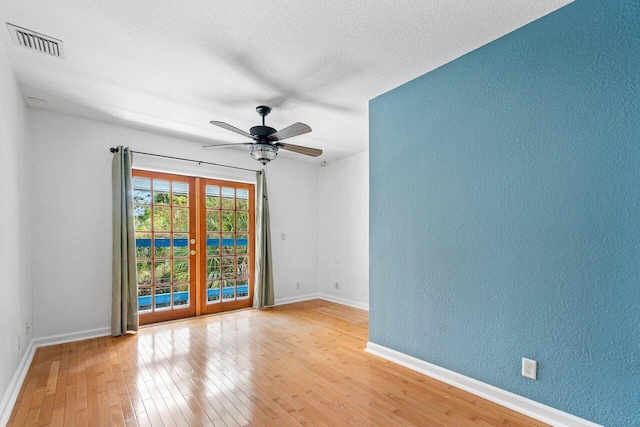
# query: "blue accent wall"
[[505, 212]]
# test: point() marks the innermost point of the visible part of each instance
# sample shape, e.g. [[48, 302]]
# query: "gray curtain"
[[264, 273], [124, 304]]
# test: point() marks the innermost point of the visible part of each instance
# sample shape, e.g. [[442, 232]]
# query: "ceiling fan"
[[266, 140]]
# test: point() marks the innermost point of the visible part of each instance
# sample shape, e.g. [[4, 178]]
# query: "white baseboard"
[[71, 337], [11, 395], [330, 298], [350, 303], [505, 398], [290, 300]]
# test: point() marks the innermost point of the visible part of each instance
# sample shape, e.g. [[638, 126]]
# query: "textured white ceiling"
[[173, 66]]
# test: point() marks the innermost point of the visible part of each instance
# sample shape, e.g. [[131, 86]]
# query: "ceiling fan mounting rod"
[[263, 110]]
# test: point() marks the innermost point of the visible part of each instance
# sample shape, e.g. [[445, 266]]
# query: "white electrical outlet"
[[337, 285], [529, 368], [26, 328], [297, 285]]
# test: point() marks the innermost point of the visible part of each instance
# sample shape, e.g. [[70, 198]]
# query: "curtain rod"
[[115, 150]]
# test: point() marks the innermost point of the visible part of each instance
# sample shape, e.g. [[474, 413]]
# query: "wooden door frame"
[[203, 306], [179, 313]]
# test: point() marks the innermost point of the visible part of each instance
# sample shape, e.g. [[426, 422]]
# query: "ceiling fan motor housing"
[[261, 132]]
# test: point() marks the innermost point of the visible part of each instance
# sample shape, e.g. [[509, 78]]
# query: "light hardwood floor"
[[298, 364]]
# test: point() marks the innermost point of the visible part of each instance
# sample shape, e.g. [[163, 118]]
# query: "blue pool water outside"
[[179, 297], [165, 243]]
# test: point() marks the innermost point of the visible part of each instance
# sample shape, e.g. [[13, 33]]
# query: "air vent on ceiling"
[[36, 41]]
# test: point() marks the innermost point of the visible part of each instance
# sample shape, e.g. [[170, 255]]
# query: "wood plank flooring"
[[297, 364]]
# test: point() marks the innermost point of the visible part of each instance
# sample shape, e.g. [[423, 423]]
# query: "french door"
[[227, 219], [194, 245]]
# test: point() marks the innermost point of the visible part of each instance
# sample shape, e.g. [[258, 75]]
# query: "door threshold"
[[167, 322]]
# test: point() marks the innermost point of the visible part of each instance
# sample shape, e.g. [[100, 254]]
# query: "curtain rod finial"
[[113, 149]]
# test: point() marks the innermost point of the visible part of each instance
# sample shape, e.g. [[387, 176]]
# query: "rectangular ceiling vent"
[[36, 41]]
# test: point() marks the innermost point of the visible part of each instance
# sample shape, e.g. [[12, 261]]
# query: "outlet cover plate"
[[529, 368]]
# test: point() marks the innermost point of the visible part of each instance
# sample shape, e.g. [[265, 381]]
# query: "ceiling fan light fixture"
[[263, 153]]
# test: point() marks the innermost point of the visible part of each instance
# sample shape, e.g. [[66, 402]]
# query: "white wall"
[[344, 230], [293, 201], [71, 183], [15, 280]]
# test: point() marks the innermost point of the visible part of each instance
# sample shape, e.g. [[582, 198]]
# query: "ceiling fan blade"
[[314, 152], [227, 126], [289, 132], [226, 145]]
